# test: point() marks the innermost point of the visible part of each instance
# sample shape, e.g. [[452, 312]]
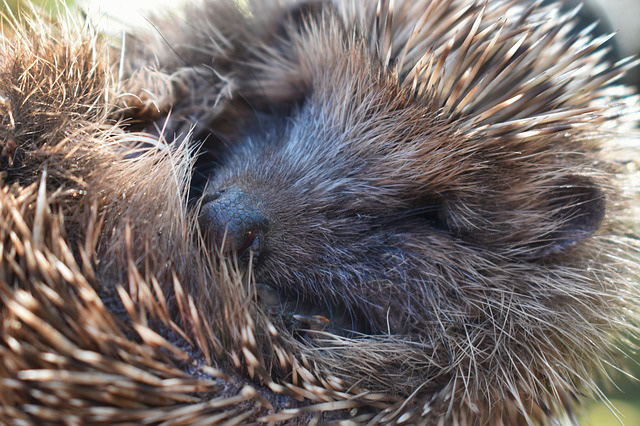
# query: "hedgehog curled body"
[[394, 212]]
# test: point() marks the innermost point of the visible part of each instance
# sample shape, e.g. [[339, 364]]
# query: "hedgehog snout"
[[232, 222]]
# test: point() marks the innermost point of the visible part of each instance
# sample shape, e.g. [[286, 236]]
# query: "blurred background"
[[621, 17], [614, 16]]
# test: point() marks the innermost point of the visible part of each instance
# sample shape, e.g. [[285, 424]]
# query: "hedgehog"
[[391, 212]]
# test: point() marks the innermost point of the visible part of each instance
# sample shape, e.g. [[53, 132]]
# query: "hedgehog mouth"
[[306, 318]]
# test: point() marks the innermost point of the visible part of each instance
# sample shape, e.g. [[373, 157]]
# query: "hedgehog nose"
[[231, 220]]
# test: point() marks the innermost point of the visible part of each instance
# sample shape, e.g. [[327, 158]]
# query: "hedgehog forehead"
[[330, 157]]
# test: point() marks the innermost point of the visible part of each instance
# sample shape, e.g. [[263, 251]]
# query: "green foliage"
[[22, 6], [621, 412]]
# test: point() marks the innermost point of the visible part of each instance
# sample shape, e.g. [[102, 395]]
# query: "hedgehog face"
[[325, 224], [369, 207]]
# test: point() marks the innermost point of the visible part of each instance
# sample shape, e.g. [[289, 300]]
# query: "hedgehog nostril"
[[232, 222], [209, 197]]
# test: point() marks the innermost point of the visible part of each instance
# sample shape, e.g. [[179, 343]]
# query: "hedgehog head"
[[395, 191]]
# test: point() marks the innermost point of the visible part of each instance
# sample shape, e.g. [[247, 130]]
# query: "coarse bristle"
[[115, 310]]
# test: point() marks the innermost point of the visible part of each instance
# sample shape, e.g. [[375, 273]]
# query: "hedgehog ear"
[[578, 205]]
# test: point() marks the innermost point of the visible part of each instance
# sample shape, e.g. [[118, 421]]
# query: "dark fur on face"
[[392, 212], [383, 206]]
